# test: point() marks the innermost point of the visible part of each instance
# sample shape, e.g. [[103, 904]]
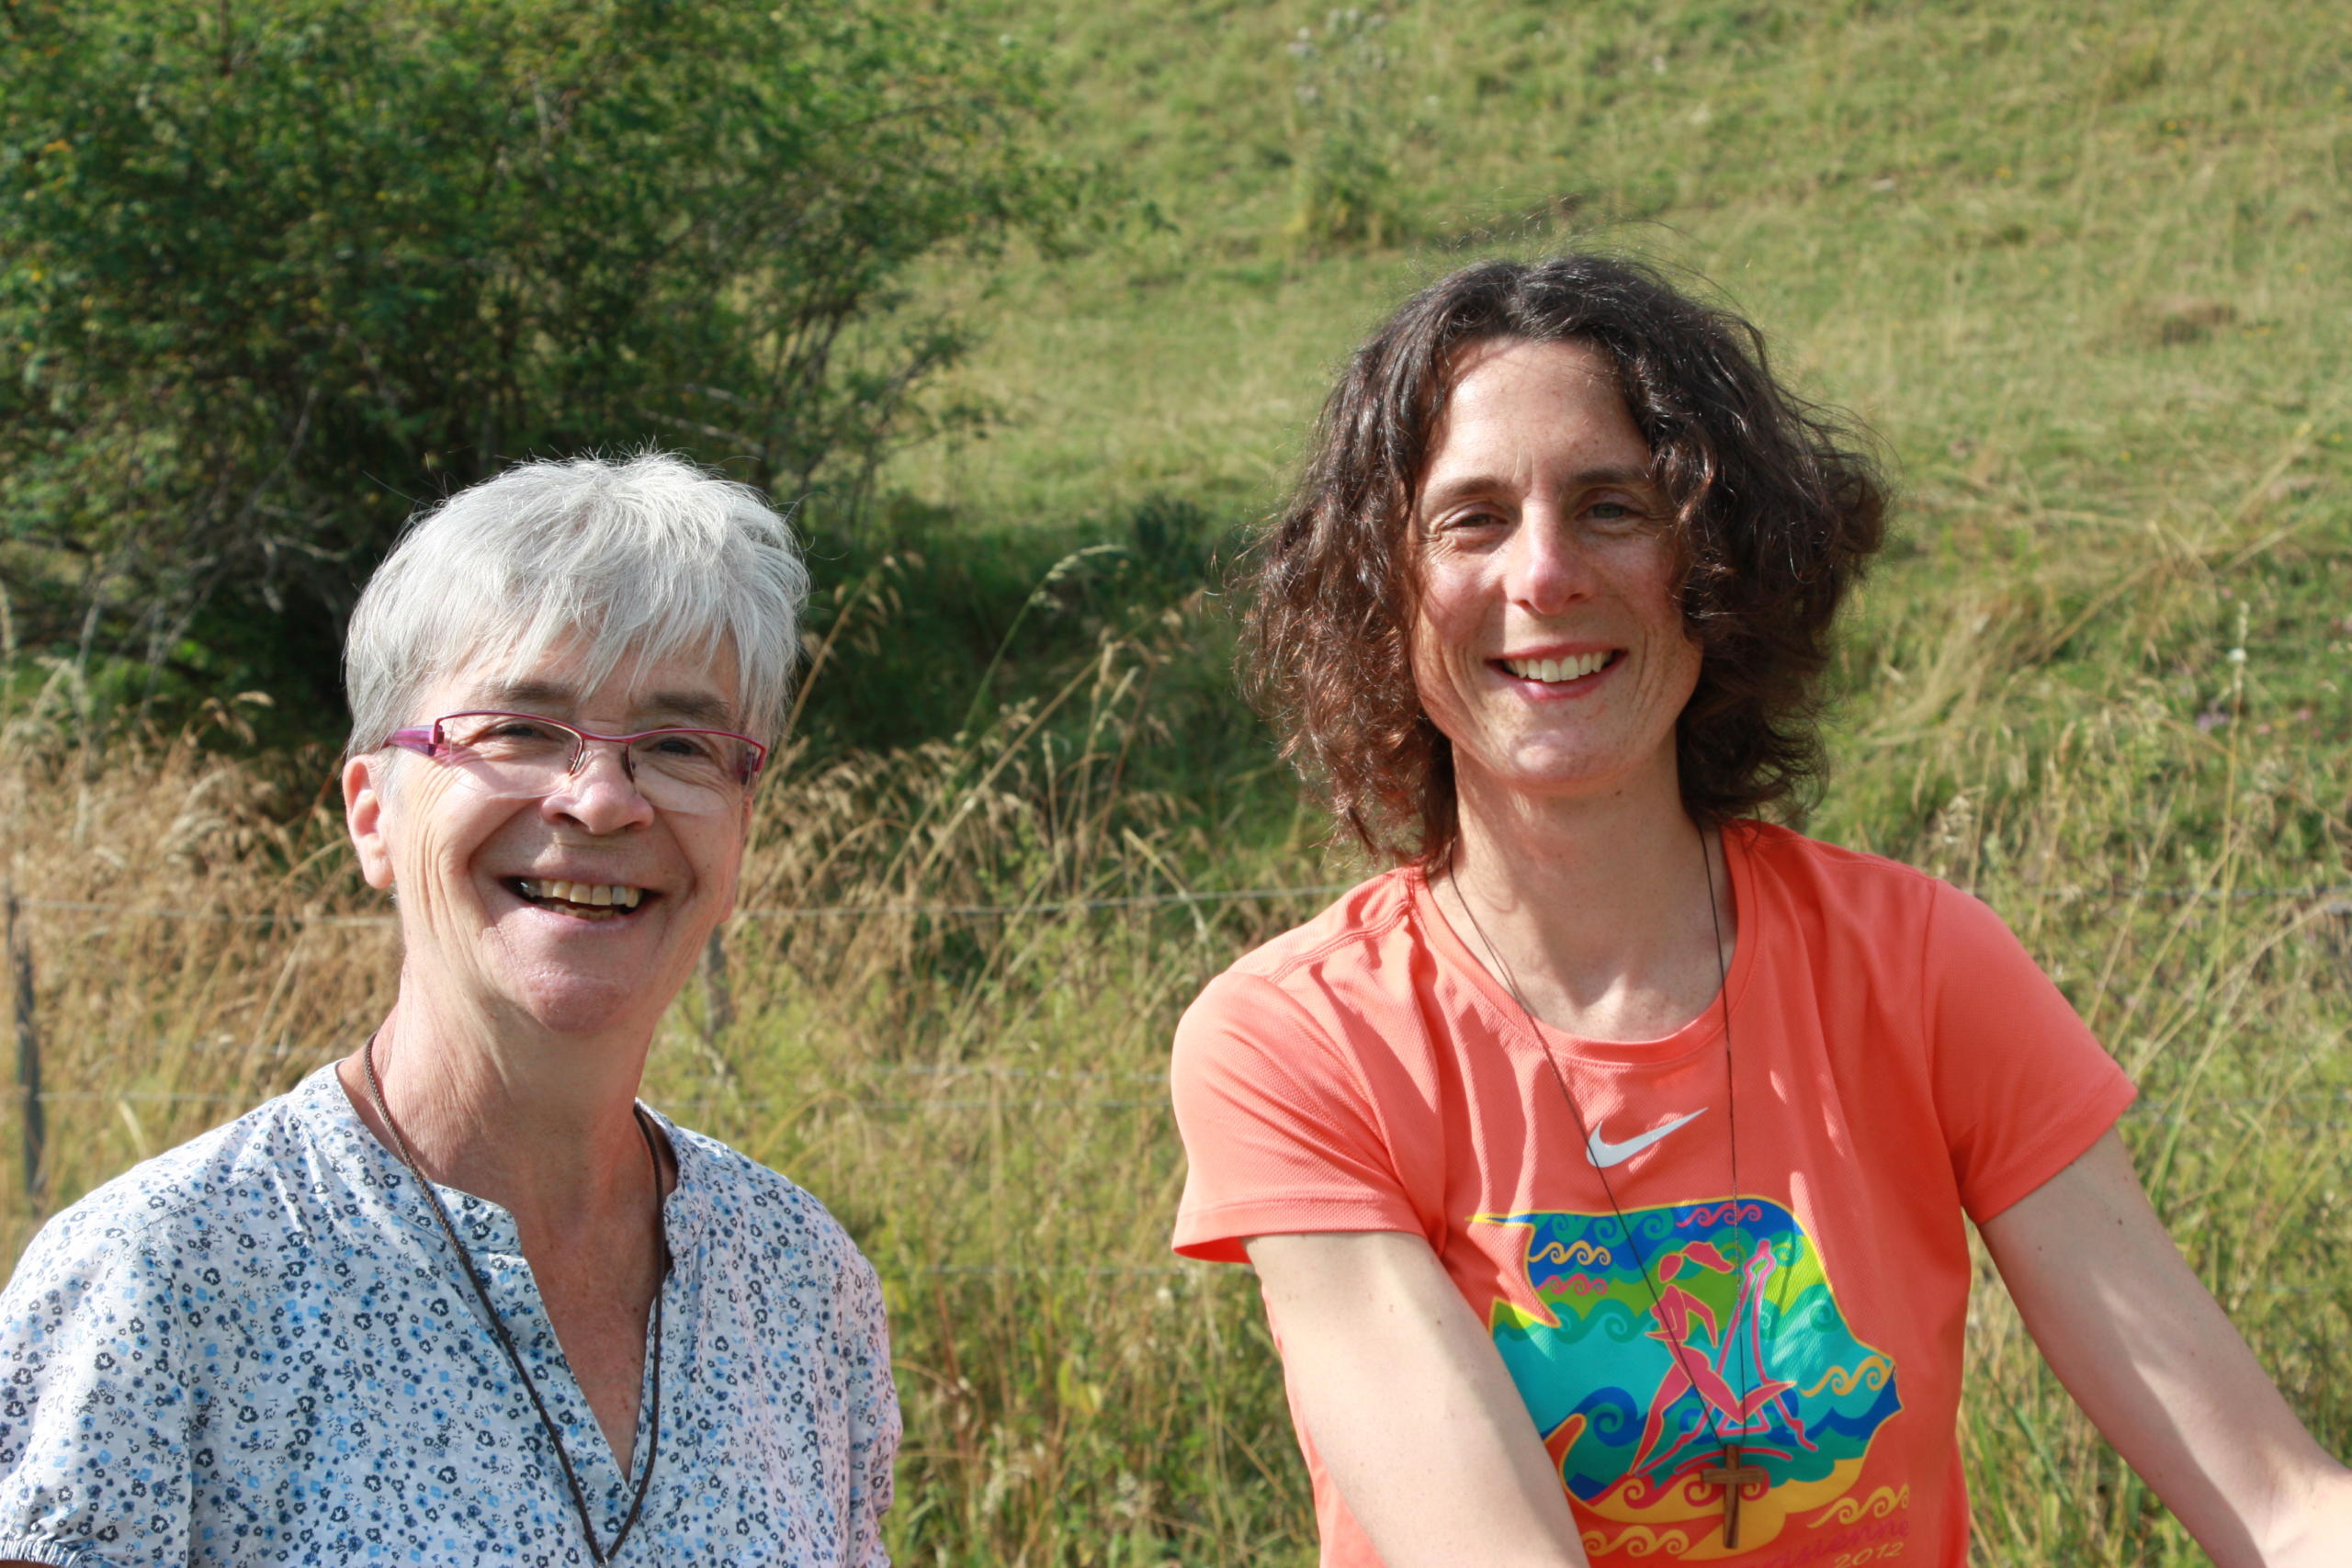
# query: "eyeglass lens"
[[515, 757]]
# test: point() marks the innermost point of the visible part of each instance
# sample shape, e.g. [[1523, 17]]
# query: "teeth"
[[609, 894], [1550, 670]]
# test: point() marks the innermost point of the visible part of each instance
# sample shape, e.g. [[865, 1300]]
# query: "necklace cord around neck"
[[1576, 1112], [1731, 1093], [506, 1340]]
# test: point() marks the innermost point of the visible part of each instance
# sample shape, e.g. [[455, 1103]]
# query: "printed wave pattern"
[[1766, 1360]]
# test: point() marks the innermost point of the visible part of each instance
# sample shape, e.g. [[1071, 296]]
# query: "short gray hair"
[[643, 557]]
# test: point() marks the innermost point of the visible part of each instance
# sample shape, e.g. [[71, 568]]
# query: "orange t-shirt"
[[1899, 1062]]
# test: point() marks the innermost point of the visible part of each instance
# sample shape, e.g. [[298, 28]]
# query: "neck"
[[1595, 910], [543, 1126]]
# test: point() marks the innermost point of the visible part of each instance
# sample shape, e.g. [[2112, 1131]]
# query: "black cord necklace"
[[506, 1341], [1732, 1475]]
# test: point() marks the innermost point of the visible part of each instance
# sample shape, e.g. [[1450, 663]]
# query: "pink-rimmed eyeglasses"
[[522, 756]]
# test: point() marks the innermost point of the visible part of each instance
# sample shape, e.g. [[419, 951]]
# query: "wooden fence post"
[[21, 969], [717, 996]]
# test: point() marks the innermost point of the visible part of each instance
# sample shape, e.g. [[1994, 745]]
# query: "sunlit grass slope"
[[2082, 268]]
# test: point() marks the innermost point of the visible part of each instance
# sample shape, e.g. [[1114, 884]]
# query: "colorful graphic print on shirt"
[[1766, 1360]]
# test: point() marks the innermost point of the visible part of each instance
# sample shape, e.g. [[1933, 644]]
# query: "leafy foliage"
[[278, 273]]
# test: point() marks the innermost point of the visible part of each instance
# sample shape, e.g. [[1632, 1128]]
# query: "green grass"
[[2082, 270]]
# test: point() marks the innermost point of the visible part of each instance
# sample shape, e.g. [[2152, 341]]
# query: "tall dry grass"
[[196, 938]]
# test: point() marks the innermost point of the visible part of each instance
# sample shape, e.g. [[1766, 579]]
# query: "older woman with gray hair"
[[460, 1297]]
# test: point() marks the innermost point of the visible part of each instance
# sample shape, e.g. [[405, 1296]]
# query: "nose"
[[600, 793], [1547, 569]]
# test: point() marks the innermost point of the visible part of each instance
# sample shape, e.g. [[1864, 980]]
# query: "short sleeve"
[[1280, 1136], [94, 1413], [2021, 1086]]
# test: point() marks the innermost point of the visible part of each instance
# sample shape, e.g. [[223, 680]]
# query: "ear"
[[363, 814]]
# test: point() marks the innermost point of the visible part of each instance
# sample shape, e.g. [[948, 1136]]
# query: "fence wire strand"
[[2062, 892]]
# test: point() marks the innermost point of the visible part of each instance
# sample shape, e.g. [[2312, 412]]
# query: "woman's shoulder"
[[751, 1204], [1852, 905], [185, 1203], [1833, 879], [1340, 984], [1785, 847], [1349, 937]]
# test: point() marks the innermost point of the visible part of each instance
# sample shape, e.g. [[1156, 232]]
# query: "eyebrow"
[[1455, 489], [699, 709]]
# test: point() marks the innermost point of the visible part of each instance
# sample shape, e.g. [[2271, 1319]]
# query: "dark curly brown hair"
[[1777, 507]]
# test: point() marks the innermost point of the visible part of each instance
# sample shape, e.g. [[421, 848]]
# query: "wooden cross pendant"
[[1732, 1475]]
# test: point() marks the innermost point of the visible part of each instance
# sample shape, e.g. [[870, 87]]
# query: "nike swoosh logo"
[[1604, 1154]]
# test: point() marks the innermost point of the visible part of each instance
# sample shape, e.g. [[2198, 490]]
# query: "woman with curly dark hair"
[[1605, 1163]]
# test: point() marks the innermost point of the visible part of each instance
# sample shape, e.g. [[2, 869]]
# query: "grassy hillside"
[[2082, 269]]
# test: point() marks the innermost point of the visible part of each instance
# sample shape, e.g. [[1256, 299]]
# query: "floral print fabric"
[[258, 1349]]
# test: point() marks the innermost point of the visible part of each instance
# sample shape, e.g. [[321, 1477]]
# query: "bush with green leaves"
[[274, 272]]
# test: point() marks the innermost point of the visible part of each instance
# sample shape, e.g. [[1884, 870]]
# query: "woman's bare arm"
[[2149, 1356], [1410, 1407]]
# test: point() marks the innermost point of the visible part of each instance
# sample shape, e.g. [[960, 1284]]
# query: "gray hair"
[[639, 559]]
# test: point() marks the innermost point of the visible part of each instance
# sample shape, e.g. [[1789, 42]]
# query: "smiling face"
[[579, 912], [1548, 645]]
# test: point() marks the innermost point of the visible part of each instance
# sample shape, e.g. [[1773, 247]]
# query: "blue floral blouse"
[[257, 1349]]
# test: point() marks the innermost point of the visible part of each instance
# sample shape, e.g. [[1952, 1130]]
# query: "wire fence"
[[884, 1070], [2146, 1108], [783, 912], [2062, 891]]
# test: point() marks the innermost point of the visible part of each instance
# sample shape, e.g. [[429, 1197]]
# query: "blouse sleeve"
[[1280, 1134], [874, 1419], [2021, 1086], [94, 1415]]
